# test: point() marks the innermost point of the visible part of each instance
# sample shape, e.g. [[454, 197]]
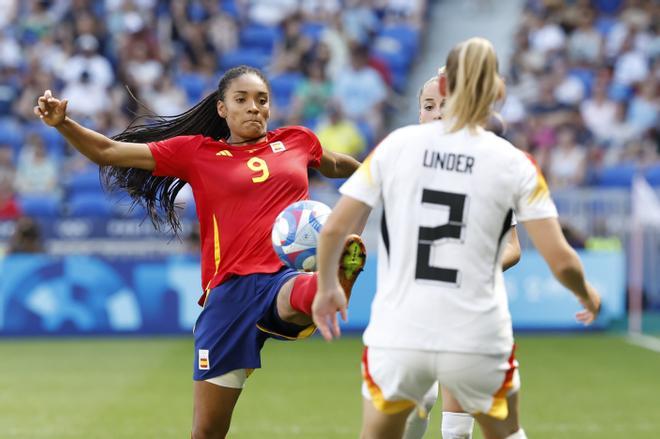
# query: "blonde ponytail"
[[473, 84]]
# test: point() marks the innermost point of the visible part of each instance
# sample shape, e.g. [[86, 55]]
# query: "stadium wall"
[[79, 295]]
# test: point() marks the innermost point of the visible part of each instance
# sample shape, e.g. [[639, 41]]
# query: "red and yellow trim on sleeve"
[[365, 167], [500, 408], [377, 398], [541, 190]]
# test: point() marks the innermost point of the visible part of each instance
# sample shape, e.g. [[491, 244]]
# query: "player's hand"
[[591, 307], [51, 110], [325, 307]]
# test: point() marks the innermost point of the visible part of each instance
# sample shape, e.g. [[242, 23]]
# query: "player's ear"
[[442, 85], [222, 109]]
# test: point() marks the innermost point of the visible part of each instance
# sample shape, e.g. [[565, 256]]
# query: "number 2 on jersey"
[[452, 229], [257, 164]]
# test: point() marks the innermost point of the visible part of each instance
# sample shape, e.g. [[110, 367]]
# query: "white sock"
[[457, 425], [416, 425], [520, 434]]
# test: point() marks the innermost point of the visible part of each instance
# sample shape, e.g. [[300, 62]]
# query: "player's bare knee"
[[284, 308]]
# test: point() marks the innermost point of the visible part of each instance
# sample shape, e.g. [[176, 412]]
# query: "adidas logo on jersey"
[[225, 153]]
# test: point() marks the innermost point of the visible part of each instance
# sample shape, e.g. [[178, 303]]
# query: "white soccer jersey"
[[447, 208]]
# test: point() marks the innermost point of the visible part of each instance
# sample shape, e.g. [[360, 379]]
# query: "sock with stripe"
[[303, 292]]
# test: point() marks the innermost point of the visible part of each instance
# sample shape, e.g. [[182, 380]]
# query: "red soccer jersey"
[[239, 191]]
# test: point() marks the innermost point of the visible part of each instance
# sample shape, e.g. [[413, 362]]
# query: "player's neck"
[[238, 141]]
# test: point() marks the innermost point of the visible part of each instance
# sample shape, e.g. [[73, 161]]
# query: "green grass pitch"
[[590, 386]]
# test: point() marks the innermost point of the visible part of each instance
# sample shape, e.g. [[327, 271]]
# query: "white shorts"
[[397, 379]]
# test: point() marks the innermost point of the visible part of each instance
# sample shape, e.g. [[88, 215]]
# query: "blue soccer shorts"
[[238, 317]]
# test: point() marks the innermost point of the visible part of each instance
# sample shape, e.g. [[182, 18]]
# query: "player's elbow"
[[566, 265], [106, 155], [332, 231]]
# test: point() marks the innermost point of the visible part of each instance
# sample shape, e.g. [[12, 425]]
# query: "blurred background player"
[[440, 312], [236, 168], [456, 424]]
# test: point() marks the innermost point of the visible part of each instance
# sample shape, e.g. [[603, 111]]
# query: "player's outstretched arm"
[[95, 146], [565, 264], [337, 165], [511, 255], [330, 298]]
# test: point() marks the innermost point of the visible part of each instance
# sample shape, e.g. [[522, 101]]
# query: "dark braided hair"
[[157, 194]]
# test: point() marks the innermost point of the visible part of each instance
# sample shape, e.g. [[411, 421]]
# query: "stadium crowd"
[[583, 90], [582, 87], [333, 65]]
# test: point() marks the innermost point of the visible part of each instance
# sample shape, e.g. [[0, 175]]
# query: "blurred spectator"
[[599, 112], [7, 169], [78, 94], [569, 89], [585, 44], [320, 10], [360, 90], [35, 81], [10, 51], [143, 69], [269, 12], [293, 48], [359, 20], [87, 60], [26, 238], [311, 96], [166, 98], [338, 134], [9, 208], [546, 35], [333, 49], [37, 171], [644, 107], [567, 161], [8, 9], [221, 30], [631, 66], [169, 54]]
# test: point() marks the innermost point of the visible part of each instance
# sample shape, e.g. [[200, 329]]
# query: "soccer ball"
[[296, 232]]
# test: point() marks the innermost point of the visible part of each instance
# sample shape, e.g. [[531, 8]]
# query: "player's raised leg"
[[294, 302]]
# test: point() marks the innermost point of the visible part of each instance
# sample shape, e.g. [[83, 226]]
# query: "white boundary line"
[[644, 341]]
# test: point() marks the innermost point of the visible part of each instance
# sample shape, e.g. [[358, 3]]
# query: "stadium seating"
[[652, 175], [617, 176], [87, 182], [194, 84], [12, 135], [90, 205], [312, 30], [283, 87], [263, 38], [251, 57], [42, 206]]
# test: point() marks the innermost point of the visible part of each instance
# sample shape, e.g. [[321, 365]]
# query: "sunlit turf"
[[591, 386]]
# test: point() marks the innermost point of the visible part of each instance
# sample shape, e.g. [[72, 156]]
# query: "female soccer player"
[[242, 176], [456, 424], [440, 312]]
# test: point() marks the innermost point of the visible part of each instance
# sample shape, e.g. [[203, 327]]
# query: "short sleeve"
[[366, 184], [315, 148], [174, 156], [533, 199]]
